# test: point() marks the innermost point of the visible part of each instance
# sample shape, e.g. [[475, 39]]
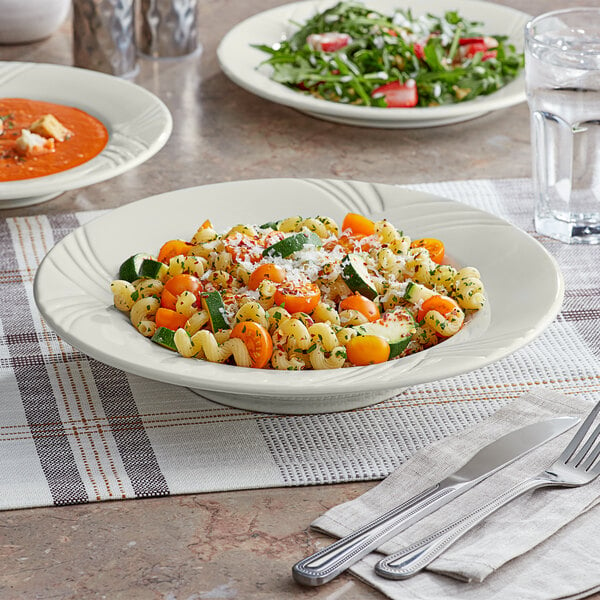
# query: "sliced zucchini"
[[356, 276], [313, 239], [287, 246], [213, 304], [269, 225], [416, 292], [152, 269], [397, 328], [165, 337], [130, 269]]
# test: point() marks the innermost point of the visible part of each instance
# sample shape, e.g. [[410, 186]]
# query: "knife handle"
[[417, 556], [329, 562]]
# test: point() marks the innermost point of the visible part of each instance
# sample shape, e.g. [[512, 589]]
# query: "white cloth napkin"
[[544, 545]]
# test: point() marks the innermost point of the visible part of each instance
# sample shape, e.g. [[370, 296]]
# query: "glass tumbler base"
[[568, 232]]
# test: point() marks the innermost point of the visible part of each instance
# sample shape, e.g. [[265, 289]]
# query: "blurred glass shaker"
[[104, 36], [168, 28]]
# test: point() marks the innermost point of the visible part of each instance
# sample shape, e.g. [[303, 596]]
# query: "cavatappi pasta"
[[300, 293]]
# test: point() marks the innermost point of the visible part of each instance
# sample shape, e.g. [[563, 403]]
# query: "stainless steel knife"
[[328, 563]]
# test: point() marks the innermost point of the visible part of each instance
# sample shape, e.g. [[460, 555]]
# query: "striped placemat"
[[74, 430]]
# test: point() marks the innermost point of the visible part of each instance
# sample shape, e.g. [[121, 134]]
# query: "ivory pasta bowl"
[[72, 289]]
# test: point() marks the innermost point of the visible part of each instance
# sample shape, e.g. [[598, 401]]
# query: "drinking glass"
[[562, 70]]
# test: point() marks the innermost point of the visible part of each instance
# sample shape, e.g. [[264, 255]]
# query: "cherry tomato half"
[[441, 304], [267, 271], [173, 248], [358, 224], [434, 246], [176, 286], [367, 350], [170, 319], [257, 340], [302, 297], [363, 305]]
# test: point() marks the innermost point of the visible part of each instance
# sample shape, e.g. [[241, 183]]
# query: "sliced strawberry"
[[328, 42], [471, 40], [471, 46], [397, 94]]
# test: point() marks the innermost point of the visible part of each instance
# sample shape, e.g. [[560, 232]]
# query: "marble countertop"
[[221, 132], [237, 544]]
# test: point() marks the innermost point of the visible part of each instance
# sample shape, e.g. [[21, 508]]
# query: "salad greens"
[[354, 55]]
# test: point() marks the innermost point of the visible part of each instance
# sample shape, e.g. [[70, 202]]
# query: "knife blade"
[[328, 563]]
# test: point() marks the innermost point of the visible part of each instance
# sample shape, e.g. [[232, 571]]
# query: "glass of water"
[[562, 69]]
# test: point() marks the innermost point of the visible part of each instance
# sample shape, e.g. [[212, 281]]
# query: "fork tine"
[[591, 459], [579, 435], [581, 454]]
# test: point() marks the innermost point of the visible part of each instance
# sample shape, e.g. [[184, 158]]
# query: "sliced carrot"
[[299, 297], [267, 271], [434, 246], [173, 248], [257, 340], [363, 305], [358, 224], [207, 225], [170, 319], [367, 350], [441, 304]]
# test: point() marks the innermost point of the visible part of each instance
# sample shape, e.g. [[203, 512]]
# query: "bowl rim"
[[468, 350]]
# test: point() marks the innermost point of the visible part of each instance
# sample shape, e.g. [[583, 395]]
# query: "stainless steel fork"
[[577, 465]]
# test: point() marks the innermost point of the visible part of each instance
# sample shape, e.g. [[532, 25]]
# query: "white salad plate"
[[73, 295], [242, 63], [138, 124]]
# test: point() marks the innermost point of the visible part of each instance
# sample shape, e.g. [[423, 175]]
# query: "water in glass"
[[563, 91]]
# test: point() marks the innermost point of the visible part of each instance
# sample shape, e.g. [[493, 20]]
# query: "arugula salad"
[[355, 55]]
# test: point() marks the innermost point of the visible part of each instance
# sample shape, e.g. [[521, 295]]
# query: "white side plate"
[[138, 124], [241, 63]]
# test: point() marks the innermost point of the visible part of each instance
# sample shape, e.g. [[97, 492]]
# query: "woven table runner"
[[74, 430]]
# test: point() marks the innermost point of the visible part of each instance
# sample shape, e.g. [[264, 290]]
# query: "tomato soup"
[[87, 137]]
